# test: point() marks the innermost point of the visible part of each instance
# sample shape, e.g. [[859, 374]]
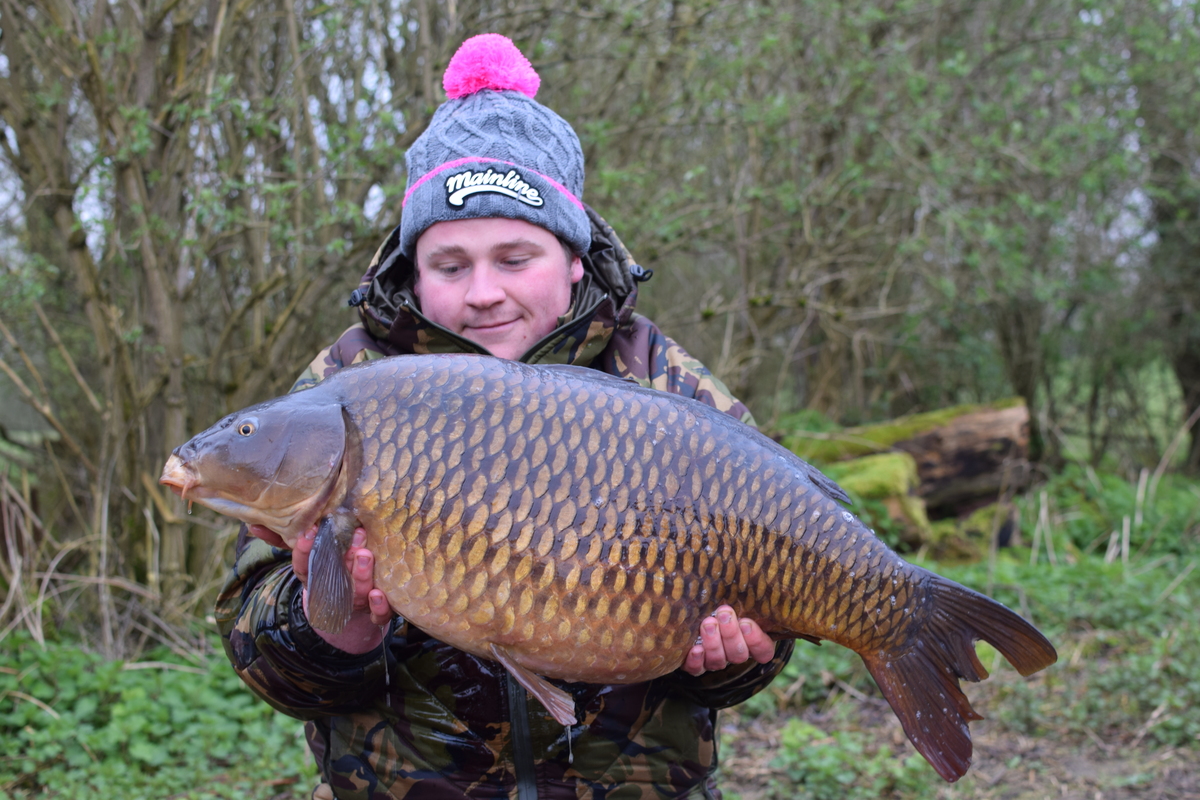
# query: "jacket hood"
[[601, 301]]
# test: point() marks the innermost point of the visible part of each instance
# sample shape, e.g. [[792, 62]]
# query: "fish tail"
[[920, 681]]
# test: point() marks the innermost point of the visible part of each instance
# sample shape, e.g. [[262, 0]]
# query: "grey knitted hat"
[[491, 150]]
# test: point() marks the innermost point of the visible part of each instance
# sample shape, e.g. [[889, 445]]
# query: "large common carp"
[[572, 525]]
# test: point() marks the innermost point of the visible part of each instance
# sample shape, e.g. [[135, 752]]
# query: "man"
[[495, 254]]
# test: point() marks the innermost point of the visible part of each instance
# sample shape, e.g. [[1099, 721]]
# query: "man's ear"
[[576, 269]]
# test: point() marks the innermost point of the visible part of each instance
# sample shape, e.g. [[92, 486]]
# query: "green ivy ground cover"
[[73, 725]]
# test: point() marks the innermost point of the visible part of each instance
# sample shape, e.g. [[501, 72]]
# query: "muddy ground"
[[1007, 766]]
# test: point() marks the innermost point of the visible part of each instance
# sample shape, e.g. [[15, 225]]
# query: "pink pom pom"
[[489, 61]]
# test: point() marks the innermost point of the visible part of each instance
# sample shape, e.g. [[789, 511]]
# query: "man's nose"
[[485, 288]]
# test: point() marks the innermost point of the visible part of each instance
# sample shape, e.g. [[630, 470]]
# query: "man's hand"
[[370, 607], [725, 640]]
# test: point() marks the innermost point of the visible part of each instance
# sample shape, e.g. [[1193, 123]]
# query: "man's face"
[[501, 283]]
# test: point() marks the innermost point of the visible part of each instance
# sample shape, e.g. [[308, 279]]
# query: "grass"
[[1115, 715]]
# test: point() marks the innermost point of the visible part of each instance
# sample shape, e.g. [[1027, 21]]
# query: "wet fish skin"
[[571, 525]]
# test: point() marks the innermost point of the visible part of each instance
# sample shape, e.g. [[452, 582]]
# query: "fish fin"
[[352, 454], [1021, 644], [827, 485], [330, 592], [585, 372], [931, 707], [559, 703], [921, 682]]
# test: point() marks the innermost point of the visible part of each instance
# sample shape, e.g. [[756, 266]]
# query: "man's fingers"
[[360, 563], [733, 644], [713, 644], [363, 575], [362, 571], [304, 546], [762, 648], [381, 611], [694, 663], [724, 640]]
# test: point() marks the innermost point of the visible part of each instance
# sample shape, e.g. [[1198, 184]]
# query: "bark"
[[973, 458]]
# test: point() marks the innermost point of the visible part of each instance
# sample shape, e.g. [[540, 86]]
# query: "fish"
[[572, 525]]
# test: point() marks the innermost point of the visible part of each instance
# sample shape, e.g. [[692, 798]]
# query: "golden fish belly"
[[559, 619]]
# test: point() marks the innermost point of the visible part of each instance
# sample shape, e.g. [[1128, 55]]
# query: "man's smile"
[[491, 327]]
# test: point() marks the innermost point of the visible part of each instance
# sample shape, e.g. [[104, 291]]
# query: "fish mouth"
[[178, 475]]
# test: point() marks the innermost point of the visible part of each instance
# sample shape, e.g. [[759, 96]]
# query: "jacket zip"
[[522, 739]]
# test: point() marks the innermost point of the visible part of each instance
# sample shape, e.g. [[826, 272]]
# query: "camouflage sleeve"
[[640, 350], [354, 346], [734, 684], [274, 650]]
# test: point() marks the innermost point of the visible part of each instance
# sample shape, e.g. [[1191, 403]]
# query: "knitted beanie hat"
[[491, 150]]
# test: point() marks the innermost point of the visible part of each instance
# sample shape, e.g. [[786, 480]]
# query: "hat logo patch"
[[462, 185]]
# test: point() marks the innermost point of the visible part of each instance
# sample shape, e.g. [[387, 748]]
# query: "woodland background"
[[854, 210]]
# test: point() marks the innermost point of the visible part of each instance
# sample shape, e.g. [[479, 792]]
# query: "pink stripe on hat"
[[481, 160]]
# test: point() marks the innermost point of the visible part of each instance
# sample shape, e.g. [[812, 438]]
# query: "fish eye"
[[247, 427]]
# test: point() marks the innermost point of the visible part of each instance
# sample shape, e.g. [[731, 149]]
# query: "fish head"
[[273, 464]]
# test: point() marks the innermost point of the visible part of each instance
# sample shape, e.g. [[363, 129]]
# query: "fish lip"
[[178, 476]]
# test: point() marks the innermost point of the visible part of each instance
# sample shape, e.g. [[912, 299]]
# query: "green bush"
[[1129, 653], [73, 725]]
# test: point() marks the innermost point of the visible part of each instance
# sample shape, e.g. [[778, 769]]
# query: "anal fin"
[[330, 592], [560, 704]]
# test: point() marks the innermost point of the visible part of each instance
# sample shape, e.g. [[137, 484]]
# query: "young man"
[[495, 254]]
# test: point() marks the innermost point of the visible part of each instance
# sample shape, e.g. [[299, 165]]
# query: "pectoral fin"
[[330, 592], [560, 704]]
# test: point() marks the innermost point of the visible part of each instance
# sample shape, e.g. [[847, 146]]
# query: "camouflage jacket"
[[418, 718]]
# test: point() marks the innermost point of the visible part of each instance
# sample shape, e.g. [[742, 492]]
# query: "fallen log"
[[971, 460], [966, 456]]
